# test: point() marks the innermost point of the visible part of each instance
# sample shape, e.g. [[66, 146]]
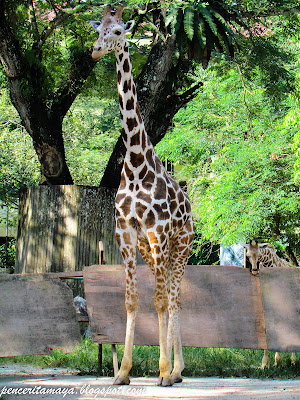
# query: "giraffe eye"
[[117, 32]]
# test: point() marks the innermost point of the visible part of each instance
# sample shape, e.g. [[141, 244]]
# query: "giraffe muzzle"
[[98, 53]]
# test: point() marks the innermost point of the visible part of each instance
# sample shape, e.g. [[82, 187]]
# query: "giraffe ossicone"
[[152, 212]]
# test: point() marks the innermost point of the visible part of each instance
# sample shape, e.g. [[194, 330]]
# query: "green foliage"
[[91, 129], [202, 27], [7, 253], [19, 166], [292, 121], [198, 362], [235, 150]]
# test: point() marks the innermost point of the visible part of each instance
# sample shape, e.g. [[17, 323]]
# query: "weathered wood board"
[[281, 304], [37, 314], [60, 228], [220, 307]]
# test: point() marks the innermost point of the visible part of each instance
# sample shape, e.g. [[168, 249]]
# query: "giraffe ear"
[[128, 26], [95, 24]]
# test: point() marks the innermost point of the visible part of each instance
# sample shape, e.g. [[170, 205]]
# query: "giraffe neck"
[[269, 258], [133, 130]]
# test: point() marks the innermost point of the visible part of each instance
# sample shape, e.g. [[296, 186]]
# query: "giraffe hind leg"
[[179, 254], [145, 250]]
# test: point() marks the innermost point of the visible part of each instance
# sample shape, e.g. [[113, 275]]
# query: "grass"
[[198, 362]]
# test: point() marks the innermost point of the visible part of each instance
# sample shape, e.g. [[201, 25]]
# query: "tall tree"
[[40, 99], [45, 54], [46, 62]]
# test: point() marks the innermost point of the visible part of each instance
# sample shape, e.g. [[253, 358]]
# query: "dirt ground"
[[28, 383]]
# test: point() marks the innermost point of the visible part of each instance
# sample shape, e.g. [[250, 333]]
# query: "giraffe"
[[264, 255], [152, 212]]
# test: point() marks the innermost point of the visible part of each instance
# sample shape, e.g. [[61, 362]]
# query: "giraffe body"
[[152, 212], [264, 255]]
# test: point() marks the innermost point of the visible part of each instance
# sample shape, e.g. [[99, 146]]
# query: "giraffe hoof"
[[176, 378], [121, 381], [165, 382]]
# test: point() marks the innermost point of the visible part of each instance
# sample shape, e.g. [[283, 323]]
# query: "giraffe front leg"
[[178, 357], [131, 304], [277, 358], [265, 359], [293, 358]]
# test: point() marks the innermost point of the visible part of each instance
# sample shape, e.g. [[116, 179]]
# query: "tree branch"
[[58, 20], [80, 69]]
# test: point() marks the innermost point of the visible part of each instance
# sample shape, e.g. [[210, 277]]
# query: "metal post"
[[100, 358]]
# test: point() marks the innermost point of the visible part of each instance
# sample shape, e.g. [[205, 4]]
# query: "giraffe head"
[[111, 31], [253, 253]]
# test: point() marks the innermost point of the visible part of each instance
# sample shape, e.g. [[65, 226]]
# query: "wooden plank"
[[218, 307], [60, 228], [37, 314], [281, 302]]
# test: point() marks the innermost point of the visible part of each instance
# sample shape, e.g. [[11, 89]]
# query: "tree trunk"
[[40, 110], [158, 100], [291, 256], [289, 253], [46, 133]]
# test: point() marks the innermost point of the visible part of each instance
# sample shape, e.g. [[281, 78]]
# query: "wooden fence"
[[221, 307], [37, 315], [60, 228]]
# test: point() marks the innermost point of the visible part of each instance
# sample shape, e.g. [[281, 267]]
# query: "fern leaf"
[[207, 15], [199, 28], [189, 22], [178, 21]]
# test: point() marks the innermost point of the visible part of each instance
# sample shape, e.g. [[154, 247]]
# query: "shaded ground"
[[21, 382]]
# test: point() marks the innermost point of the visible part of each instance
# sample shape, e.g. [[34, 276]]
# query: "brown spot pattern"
[[128, 171], [162, 215], [135, 140], [150, 220], [126, 65], [131, 123], [160, 190], [143, 172], [121, 101], [140, 209], [157, 165], [145, 197], [136, 159], [127, 86], [148, 180], [130, 104], [126, 206], [119, 197], [122, 181], [150, 158]]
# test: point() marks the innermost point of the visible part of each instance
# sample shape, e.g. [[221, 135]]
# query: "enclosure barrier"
[[221, 307]]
